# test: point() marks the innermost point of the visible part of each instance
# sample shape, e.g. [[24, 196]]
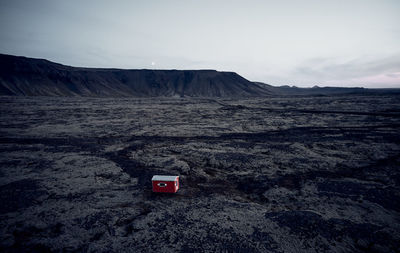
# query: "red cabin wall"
[[169, 188]]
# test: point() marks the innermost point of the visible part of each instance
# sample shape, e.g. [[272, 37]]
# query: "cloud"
[[371, 70], [394, 75]]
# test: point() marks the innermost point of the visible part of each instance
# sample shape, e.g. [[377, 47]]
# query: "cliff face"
[[37, 77], [21, 76]]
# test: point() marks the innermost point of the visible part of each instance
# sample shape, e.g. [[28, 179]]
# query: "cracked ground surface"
[[300, 174]]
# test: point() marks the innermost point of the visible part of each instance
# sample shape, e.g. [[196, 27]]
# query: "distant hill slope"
[[22, 76], [323, 91], [293, 90], [38, 77]]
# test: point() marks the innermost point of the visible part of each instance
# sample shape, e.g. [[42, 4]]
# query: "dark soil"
[[304, 174]]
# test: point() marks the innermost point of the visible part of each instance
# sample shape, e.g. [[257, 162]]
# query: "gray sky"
[[302, 43]]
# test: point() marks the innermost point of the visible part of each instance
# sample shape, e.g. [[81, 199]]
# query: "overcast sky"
[[302, 43]]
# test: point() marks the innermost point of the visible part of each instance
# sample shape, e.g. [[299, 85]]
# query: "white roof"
[[163, 178]]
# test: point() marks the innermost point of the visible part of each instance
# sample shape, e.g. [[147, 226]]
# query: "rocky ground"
[[304, 174]]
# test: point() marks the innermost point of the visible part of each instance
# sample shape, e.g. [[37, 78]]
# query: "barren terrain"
[[279, 174]]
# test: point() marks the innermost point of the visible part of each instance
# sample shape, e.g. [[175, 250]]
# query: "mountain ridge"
[[32, 77], [23, 76]]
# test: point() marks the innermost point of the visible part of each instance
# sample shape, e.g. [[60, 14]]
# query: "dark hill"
[[22, 76], [38, 77], [324, 91]]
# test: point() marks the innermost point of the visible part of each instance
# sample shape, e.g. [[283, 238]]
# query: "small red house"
[[165, 183]]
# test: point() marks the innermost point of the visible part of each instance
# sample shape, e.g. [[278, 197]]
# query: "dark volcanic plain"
[[274, 174]]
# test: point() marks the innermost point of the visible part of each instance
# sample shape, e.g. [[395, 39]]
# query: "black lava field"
[[272, 174]]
